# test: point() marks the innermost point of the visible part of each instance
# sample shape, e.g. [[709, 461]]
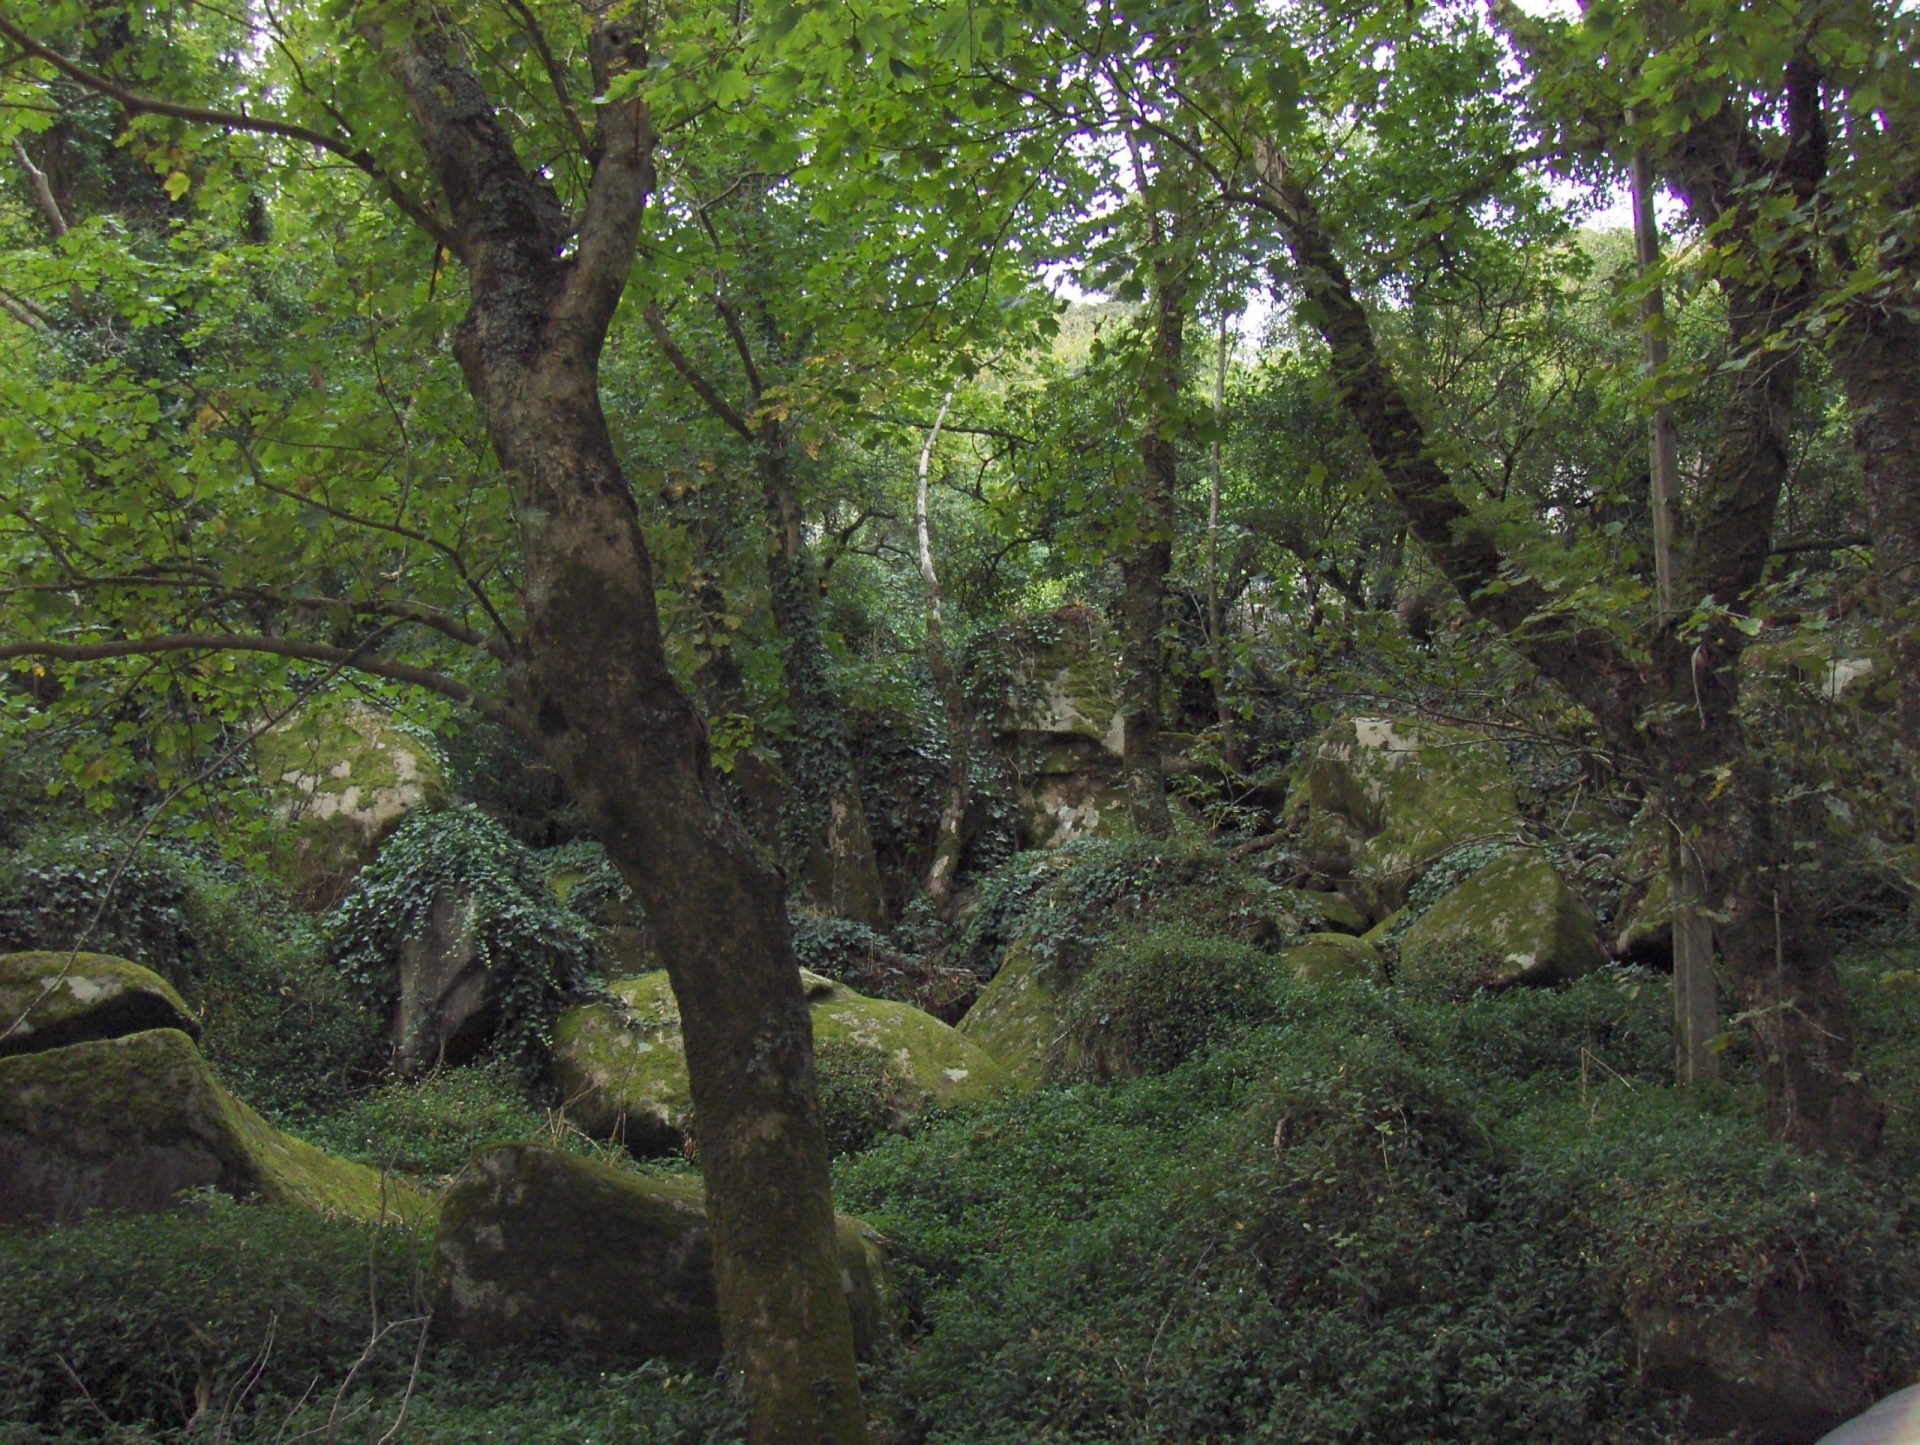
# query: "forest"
[[958, 721]]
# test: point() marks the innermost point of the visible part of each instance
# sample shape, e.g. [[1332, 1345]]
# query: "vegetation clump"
[[539, 951]]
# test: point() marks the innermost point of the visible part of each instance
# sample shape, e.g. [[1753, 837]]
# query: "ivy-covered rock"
[[51, 999], [127, 1123], [620, 1068], [343, 778], [455, 935], [1322, 956], [1377, 800], [534, 1243], [1515, 921]]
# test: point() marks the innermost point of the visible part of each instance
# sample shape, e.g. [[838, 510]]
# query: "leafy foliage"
[[280, 1025], [237, 1322], [539, 952]]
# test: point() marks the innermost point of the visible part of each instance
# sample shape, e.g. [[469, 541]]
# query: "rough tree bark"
[[619, 730], [1678, 706]]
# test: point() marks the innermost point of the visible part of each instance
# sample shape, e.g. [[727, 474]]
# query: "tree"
[[547, 251]]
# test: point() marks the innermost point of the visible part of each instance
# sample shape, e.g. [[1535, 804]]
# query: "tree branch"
[[491, 708], [138, 103], [704, 389], [42, 191], [556, 76]]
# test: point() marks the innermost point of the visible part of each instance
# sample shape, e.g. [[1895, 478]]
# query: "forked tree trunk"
[[626, 739]]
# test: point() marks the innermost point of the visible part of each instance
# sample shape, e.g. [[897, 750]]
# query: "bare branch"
[[555, 75], [42, 191]]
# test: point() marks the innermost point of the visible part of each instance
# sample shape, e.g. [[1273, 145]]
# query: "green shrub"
[[282, 1028], [539, 951], [433, 1125], [1064, 903], [1156, 999], [244, 1323], [857, 1086]]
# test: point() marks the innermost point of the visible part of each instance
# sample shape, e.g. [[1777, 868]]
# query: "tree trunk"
[[950, 840], [1216, 621], [1877, 356], [1696, 1015], [826, 823], [1817, 1097], [626, 739], [1144, 570]]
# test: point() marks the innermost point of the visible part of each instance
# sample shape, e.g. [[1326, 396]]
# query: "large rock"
[[48, 1000], [127, 1123], [1055, 722], [448, 1003], [1515, 921], [1379, 800], [535, 1243], [621, 1068], [343, 779], [1322, 956], [1019, 1017]]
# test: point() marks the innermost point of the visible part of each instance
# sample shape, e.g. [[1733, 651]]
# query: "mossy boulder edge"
[[536, 1243], [1515, 921], [51, 999], [125, 1124]]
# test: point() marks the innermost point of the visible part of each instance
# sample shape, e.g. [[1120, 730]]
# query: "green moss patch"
[[620, 1068], [1379, 799]]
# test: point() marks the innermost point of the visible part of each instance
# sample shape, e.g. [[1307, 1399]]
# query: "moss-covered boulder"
[[343, 778], [537, 1244], [1322, 956], [621, 1070], [447, 1003], [126, 1123], [51, 999], [1326, 912], [1515, 921], [1019, 1017], [1378, 800]]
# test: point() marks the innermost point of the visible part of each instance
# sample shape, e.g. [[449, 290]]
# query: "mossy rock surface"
[[126, 1123], [535, 1244], [621, 1068], [1019, 1018], [344, 778], [1057, 807], [48, 1000], [1378, 800], [1515, 921], [1327, 912], [1062, 680], [1322, 956]]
